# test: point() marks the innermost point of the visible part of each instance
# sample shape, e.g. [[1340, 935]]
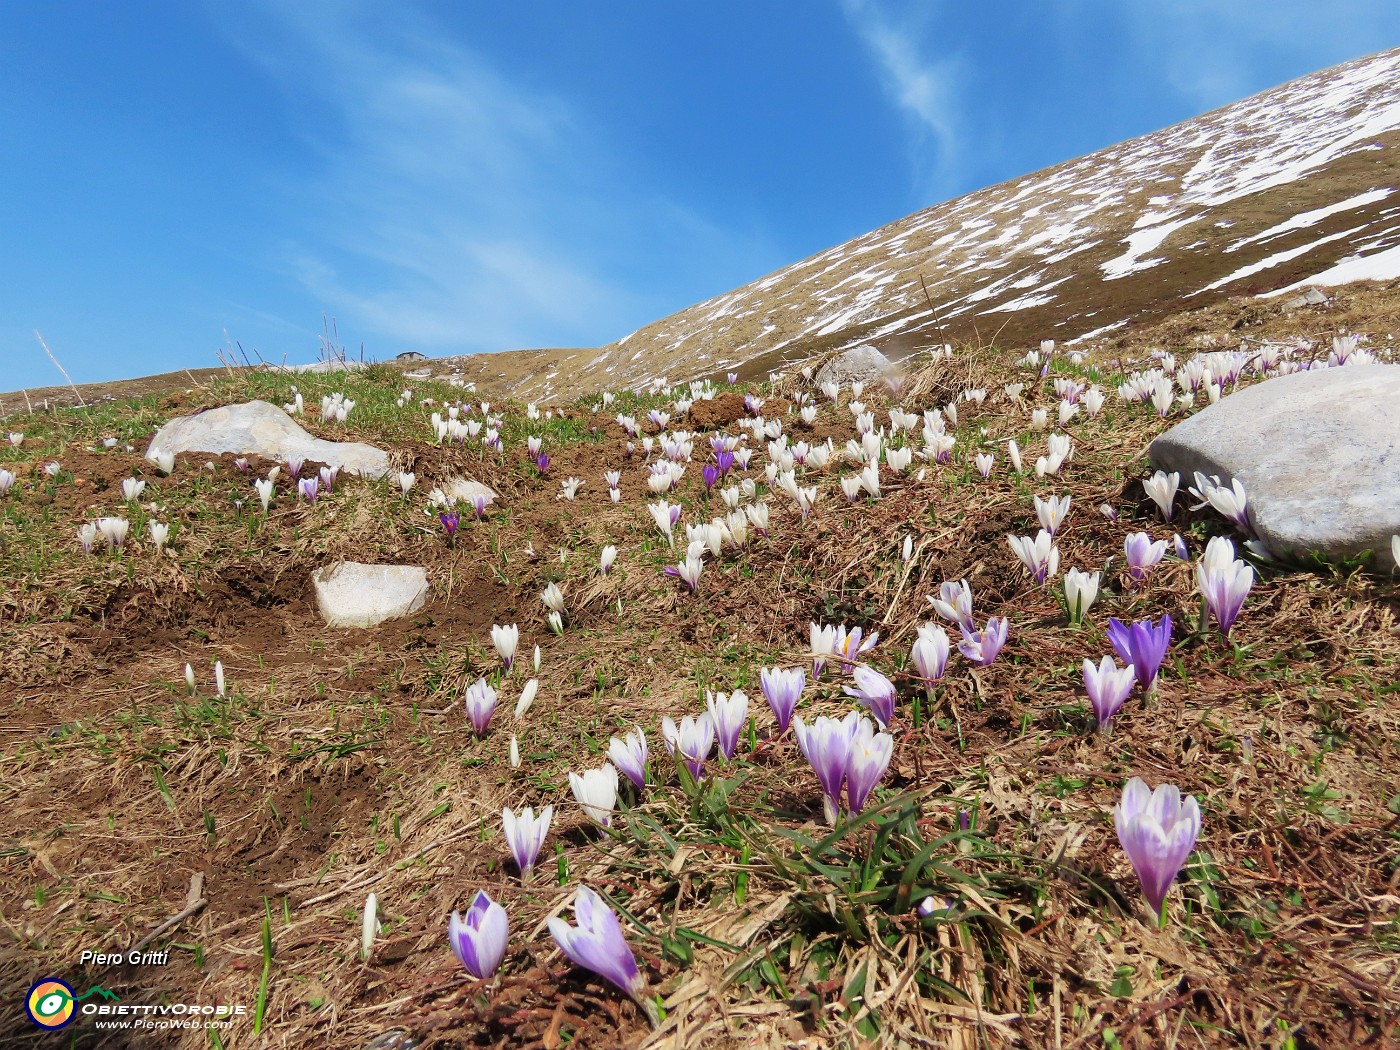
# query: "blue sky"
[[452, 177]]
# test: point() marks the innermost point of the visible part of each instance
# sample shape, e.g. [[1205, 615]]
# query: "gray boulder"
[[350, 594], [262, 429], [1318, 453], [861, 363]]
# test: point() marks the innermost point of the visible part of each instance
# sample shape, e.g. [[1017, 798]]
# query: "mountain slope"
[[1293, 185]]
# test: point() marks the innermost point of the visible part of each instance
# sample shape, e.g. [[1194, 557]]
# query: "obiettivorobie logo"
[[52, 1004]]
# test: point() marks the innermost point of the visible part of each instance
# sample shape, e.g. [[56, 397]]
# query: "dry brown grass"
[[341, 764]]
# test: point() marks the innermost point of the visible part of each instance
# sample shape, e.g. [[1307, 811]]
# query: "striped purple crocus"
[[782, 688]]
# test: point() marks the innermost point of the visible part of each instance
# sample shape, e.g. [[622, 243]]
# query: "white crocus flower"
[[1013, 452], [569, 487], [1039, 418], [164, 461], [219, 685], [264, 488], [1232, 502], [514, 755], [1052, 513], [132, 489], [505, 639], [406, 480], [553, 598], [1040, 555], [159, 533], [1081, 588], [606, 559], [113, 531], [189, 679], [1161, 488], [596, 792]]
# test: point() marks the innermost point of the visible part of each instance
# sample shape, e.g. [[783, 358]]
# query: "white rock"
[[861, 363], [464, 491], [351, 594], [262, 429], [1318, 453]]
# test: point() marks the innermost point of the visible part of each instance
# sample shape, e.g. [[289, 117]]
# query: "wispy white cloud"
[[452, 209], [922, 84]]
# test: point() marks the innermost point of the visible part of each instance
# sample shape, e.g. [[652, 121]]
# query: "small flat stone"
[[1318, 453], [257, 428], [351, 594]]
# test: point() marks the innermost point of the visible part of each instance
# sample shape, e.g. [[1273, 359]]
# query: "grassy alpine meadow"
[[744, 714]]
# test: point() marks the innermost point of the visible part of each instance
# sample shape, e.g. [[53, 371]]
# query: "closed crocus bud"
[[1161, 487], [606, 559], [527, 696], [189, 679], [782, 689], [826, 744], [930, 654], [481, 700], [525, 834], [1108, 687], [505, 639], [219, 677], [479, 938], [728, 712], [1081, 588], [514, 755], [369, 926]]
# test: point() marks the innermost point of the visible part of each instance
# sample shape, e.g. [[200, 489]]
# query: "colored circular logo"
[[50, 1003]]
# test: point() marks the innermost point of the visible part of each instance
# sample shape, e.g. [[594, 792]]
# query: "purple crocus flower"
[[710, 475], [629, 755], [982, 647], [597, 944], [1158, 830], [450, 521], [875, 691], [329, 476], [1224, 587], [826, 744], [481, 705], [733, 377], [1108, 687], [728, 713], [309, 489], [724, 461], [542, 462], [1144, 645], [525, 833], [1142, 554], [479, 504], [782, 688], [294, 465], [479, 939], [866, 764]]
